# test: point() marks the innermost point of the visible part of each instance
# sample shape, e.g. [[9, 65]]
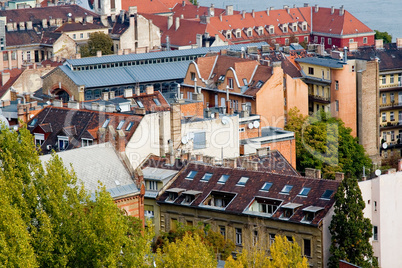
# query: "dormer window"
[[310, 213], [260, 30], [249, 32], [62, 142], [304, 26], [173, 194], [191, 175], [33, 122], [271, 29], [218, 199], [286, 189], [242, 181], [294, 27], [285, 28], [189, 197], [289, 209], [86, 142], [238, 33], [39, 139], [266, 206], [228, 35]]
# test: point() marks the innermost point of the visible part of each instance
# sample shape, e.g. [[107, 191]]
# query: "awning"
[[291, 205], [312, 209]]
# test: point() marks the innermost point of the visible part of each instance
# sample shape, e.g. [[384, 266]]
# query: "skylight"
[[327, 194], [140, 104], [286, 189], [33, 122], [157, 102], [130, 125], [242, 181], [120, 125], [106, 123], [206, 177], [191, 175], [223, 179], [304, 191], [266, 186]]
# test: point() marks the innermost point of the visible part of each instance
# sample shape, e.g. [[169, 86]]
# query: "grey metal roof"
[[94, 164], [128, 75], [312, 209], [292, 205], [327, 62], [123, 190], [157, 55], [158, 174]]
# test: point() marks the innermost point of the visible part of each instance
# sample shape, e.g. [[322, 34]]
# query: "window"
[[230, 83], [304, 191], [322, 40], [222, 230], [391, 78], [106, 123], [266, 186], [351, 40], [140, 104], [399, 79], [375, 233], [392, 97], [152, 185], [383, 79], [353, 68], [336, 85], [289, 238], [188, 199], [238, 236], [228, 35], [88, 35], [238, 33], [384, 117], [120, 125], [149, 211], [311, 70], [255, 237], [392, 135], [245, 81], [74, 36], [305, 38], [172, 196], [242, 181], [62, 142], [86, 142], [28, 56], [173, 224], [318, 90], [157, 102], [400, 116], [192, 74], [286, 189], [271, 29], [199, 141], [81, 35], [329, 41], [315, 39], [249, 33], [287, 213], [130, 125], [271, 239], [285, 29], [218, 199], [39, 139], [327, 194], [259, 84], [364, 40], [287, 41], [192, 174], [206, 177], [384, 98], [307, 247], [337, 105], [375, 205], [384, 136], [223, 179], [391, 116]]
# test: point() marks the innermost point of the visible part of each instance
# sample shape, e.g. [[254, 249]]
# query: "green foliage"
[[284, 254], [323, 142], [349, 229], [48, 221], [194, 2], [187, 251], [383, 35], [98, 41]]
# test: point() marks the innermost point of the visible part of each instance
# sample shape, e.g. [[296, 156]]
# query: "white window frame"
[[86, 142], [153, 185], [64, 140], [238, 232], [39, 139]]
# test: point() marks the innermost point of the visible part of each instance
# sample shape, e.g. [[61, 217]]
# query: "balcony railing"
[[394, 85], [391, 125], [392, 104], [317, 98]]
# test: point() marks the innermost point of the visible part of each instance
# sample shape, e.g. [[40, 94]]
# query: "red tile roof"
[[147, 6], [14, 74], [192, 11]]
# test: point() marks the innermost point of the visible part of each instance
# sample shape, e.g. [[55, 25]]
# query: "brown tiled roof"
[[20, 38], [118, 27], [48, 38], [389, 58], [150, 105], [290, 69], [78, 124], [263, 73], [36, 15], [246, 67], [162, 162], [78, 26], [192, 11], [244, 195], [14, 74]]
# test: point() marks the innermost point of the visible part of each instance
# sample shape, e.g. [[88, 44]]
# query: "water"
[[384, 16]]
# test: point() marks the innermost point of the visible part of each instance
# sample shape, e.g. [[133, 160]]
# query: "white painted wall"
[[385, 191], [326, 236]]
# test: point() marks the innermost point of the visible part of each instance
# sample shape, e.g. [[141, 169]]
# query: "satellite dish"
[[250, 125], [378, 172], [225, 120], [256, 124], [184, 140], [384, 145]]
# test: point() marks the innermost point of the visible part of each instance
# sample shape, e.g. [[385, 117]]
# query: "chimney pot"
[[99, 53], [177, 23]]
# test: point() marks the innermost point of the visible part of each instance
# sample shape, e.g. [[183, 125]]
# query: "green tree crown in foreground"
[[98, 41]]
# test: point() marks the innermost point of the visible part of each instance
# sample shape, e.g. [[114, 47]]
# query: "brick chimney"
[[149, 90], [229, 10], [230, 163], [120, 142], [44, 23], [341, 11], [339, 176], [99, 53], [316, 8], [332, 10], [379, 44]]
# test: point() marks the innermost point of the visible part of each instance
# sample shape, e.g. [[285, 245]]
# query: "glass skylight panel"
[[33, 122], [286, 189], [120, 125], [130, 125], [327, 194], [157, 102], [223, 179], [266, 186], [304, 191], [140, 104], [206, 177], [106, 123], [191, 175], [242, 181]]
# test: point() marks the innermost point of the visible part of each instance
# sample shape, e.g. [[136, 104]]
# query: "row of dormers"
[[270, 29]]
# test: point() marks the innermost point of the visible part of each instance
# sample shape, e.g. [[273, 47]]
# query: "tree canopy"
[[349, 229], [98, 41], [383, 35], [284, 254], [47, 220], [323, 142]]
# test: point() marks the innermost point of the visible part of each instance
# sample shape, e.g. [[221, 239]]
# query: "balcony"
[[390, 87], [319, 99], [390, 106], [391, 125]]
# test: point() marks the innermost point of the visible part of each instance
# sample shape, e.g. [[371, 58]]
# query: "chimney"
[[220, 17], [183, 3], [379, 44], [78, 56], [229, 10], [59, 22], [105, 96], [122, 13], [44, 23], [110, 108], [29, 25], [27, 97], [216, 115], [57, 103], [128, 93], [170, 21], [286, 7], [137, 91], [113, 17], [139, 111], [399, 42], [22, 25], [316, 8], [341, 11], [339, 176], [263, 151], [78, 19], [243, 14], [211, 11], [177, 23], [89, 19], [332, 10], [230, 163], [181, 16], [318, 173], [353, 46], [198, 157], [268, 11], [73, 105], [132, 11], [4, 78], [95, 106], [13, 95], [112, 95], [253, 13], [149, 90], [120, 142], [99, 53], [252, 165], [120, 52], [306, 5], [199, 39], [244, 111]]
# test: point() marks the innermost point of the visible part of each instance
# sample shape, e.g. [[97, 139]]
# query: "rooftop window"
[[286, 189], [266, 186], [218, 199], [130, 125], [264, 205], [33, 122], [157, 102], [223, 179], [120, 125], [327, 194], [206, 177], [191, 175], [242, 181], [304, 191], [106, 123], [140, 104]]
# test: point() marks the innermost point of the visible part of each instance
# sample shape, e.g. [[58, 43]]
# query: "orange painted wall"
[[192, 109], [134, 206], [296, 94], [287, 148]]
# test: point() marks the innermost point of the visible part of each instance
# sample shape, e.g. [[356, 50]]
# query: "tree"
[[323, 142], [383, 35], [49, 221], [194, 2], [98, 41], [284, 254], [188, 251], [349, 229]]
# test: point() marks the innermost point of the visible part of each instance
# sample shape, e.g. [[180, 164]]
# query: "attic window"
[[271, 29], [285, 29], [228, 35], [304, 191], [266, 186], [245, 81], [157, 102], [130, 125], [310, 213], [223, 179], [238, 33], [264, 205], [206, 177], [191, 175], [249, 33], [221, 78], [106, 123], [259, 84], [218, 199], [286, 189], [242, 181], [289, 209], [120, 125], [140, 104], [327, 194]]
